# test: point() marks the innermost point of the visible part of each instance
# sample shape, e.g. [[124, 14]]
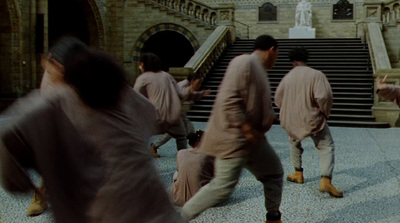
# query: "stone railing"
[[206, 56], [377, 48], [391, 12], [213, 16]]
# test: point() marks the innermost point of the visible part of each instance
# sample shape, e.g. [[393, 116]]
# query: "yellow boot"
[[39, 203], [326, 186], [297, 177]]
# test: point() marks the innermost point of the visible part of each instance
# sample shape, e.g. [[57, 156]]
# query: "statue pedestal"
[[301, 32]]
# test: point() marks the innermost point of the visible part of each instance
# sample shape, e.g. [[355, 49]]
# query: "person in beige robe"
[[193, 170], [190, 92], [242, 113], [88, 142], [162, 90], [304, 97]]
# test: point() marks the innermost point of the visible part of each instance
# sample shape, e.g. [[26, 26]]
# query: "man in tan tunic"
[[190, 92], [88, 142], [163, 92], [304, 97], [241, 115]]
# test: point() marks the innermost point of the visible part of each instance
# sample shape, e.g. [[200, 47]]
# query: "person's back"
[[300, 106]]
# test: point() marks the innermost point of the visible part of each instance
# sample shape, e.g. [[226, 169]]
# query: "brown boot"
[[297, 177], [39, 203], [326, 186], [153, 151]]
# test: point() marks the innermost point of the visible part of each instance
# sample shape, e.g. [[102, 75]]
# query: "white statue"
[[303, 14]]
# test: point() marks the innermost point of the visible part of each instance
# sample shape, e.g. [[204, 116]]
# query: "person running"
[[190, 92], [163, 92], [88, 143], [235, 133]]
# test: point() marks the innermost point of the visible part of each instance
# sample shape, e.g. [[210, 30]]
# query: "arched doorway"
[[173, 48], [79, 18], [6, 52]]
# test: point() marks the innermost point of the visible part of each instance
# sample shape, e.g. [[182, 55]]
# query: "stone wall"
[[247, 12], [141, 20], [391, 35]]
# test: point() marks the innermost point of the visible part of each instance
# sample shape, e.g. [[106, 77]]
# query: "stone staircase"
[[344, 61]]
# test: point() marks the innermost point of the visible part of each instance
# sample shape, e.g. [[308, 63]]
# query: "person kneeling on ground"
[[194, 170]]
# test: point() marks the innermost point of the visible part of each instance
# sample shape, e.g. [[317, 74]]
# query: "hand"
[[206, 92], [251, 134], [381, 83]]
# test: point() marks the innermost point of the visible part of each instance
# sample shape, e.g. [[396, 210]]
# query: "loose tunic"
[[94, 162], [304, 97], [243, 97], [194, 170], [162, 90]]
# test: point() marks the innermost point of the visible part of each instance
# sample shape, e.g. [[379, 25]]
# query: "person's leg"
[[162, 140], [326, 150], [39, 203], [296, 151], [179, 133], [188, 124], [227, 173], [266, 166]]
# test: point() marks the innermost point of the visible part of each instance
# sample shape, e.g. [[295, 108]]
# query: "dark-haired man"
[[304, 97], [163, 92], [241, 115]]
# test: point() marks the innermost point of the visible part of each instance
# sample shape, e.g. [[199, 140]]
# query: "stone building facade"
[[127, 28]]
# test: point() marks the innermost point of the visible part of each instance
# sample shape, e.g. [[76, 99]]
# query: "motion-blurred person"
[[162, 90], [305, 98], [190, 92], [193, 170], [52, 79], [88, 142], [388, 91], [241, 115]]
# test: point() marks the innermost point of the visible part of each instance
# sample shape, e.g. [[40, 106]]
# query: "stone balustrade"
[[213, 16], [206, 56], [391, 12]]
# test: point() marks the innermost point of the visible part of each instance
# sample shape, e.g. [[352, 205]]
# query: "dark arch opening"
[[173, 48], [71, 17]]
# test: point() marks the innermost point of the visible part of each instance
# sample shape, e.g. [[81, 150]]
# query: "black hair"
[[194, 137], [265, 42], [151, 62], [194, 76], [97, 78], [67, 47], [298, 54]]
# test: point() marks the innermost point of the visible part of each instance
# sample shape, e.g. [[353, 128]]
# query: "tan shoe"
[[326, 186], [297, 177], [153, 151], [39, 203]]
